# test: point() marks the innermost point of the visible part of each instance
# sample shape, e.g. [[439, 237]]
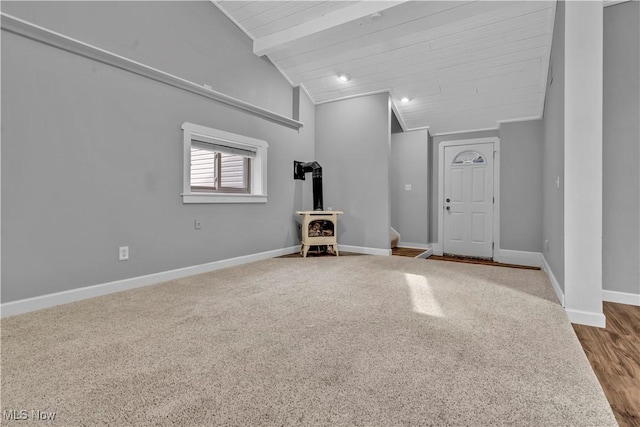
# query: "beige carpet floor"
[[366, 341]]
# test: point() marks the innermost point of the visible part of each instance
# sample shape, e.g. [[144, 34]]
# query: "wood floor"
[[468, 260], [408, 252], [314, 252], [614, 354]]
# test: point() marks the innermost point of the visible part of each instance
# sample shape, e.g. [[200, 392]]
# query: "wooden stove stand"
[[320, 239]]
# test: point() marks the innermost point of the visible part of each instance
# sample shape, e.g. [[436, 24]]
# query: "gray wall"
[[621, 147], [191, 39], [553, 126], [352, 145], [521, 149], [92, 155], [521, 153], [409, 165], [435, 168]]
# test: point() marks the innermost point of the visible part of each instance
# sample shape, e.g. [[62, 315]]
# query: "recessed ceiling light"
[[344, 77], [405, 100]]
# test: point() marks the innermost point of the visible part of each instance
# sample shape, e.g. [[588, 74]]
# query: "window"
[[221, 167], [215, 170], [469, 158]]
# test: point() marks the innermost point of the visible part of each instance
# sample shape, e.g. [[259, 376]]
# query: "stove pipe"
[[299, 170]]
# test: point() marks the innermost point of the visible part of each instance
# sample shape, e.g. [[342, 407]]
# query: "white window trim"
[[258, 170]]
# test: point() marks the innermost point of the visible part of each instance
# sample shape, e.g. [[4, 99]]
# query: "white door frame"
[[438, 247]]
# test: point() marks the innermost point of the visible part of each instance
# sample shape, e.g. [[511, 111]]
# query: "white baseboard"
[[506, 256], [621, 297], [437, 248], [587, 318], [575, 316], [410, 245], [365, 250], [37, 303], [394, 232], [554, 281]]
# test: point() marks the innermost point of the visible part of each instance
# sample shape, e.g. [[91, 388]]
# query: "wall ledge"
[[34, 32]]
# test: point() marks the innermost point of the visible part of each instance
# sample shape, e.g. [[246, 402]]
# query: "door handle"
[[448, 200], [448, 208]]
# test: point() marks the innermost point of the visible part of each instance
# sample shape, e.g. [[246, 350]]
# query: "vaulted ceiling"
[[463, 65]]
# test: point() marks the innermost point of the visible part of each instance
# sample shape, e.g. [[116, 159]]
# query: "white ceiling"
[[464, 65]]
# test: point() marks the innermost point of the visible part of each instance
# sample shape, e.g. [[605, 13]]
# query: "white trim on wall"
[[546, 58], [607, 3], [506, 256], [413, 245], [426, 254], [418, 128], [621, 297], [439, 246], [588, 318], [520, 120], [37, 303], [257, 171], [303, 87], [359, 95], [582, 201], [457, 132], [396, 112], [364, 250], [34, 32], [554, 282]]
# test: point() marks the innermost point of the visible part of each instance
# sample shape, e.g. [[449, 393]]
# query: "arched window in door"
[[469, 158]]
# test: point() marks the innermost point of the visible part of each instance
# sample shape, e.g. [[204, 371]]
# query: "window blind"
[[233, 171], [233, 167], [226, 147], [203, 167]]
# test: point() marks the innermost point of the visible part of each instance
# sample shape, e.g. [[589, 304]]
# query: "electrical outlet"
[[123, 253], [557, 182], [407, 187], [198, 224]]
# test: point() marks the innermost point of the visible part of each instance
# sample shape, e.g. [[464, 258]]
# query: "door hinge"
[[494, 154], [493, 245], [494, 200]]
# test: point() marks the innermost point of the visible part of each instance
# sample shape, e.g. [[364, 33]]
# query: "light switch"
[[407, 187]]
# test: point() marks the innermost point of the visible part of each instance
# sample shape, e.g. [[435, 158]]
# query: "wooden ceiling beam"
[[361, 9]]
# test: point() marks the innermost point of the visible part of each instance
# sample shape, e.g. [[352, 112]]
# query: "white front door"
[[468, 200]]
